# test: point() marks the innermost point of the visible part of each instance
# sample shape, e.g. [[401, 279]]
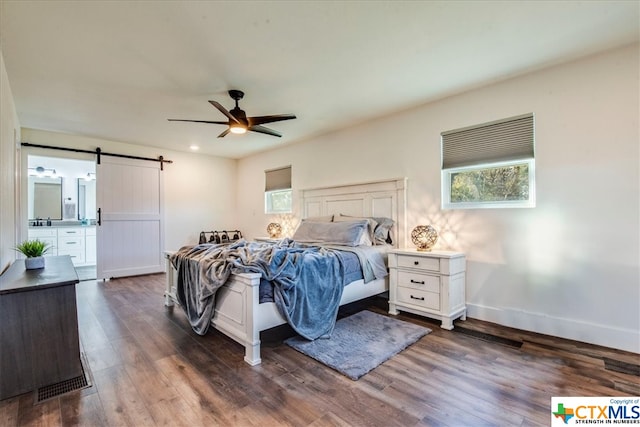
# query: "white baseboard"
[[593, 333]]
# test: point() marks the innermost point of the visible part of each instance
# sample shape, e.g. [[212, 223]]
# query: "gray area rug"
[[360, 342]]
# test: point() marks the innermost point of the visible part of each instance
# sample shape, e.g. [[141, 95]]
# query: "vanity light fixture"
[[42, 172]]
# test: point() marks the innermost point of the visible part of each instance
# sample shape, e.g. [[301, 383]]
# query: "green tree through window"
[[508, 183]]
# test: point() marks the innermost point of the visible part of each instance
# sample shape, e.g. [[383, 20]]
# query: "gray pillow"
[[336, 233], [382, 233], [371, 223], [327, 218], [379, 227]]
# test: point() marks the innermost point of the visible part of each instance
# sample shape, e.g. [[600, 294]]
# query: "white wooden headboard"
[[377, 198]]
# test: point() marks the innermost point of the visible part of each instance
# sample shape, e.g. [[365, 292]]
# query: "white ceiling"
[[118, 69]]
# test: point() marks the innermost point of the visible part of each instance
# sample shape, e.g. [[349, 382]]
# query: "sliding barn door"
[[130, 217]]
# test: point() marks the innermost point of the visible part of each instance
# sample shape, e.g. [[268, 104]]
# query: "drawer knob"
[[418, 298], [418, 282], [416, 262]]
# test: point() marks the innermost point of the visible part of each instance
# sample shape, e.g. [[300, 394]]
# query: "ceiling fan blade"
[[224, 111], [199, 121], [224, 133], [262, 129], [260, 120]]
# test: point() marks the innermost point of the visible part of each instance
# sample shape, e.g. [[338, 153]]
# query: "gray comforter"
[[308, 281]]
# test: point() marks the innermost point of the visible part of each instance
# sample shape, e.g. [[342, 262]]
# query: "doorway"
[[61, 208]]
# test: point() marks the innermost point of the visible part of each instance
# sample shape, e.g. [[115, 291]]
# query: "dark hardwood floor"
[[149, 369]]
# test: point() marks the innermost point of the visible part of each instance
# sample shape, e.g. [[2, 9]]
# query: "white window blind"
[[278, 179], [498, 141]]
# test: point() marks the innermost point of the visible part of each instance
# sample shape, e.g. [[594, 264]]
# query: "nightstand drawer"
[[422, 263], [419, 281], [424, 299]]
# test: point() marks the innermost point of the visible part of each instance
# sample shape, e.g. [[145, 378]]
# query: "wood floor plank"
[[43, 414], [82, 410], [177, 412], [102, 357], [122, 402], [196, 390], [9, 411], [329, 419], [150, 369]]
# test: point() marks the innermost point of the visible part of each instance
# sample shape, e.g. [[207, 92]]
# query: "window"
[[490, 165], [277, 191]]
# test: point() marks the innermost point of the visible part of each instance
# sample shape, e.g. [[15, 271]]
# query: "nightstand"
[[429, 284]]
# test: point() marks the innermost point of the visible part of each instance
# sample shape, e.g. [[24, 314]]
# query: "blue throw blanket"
[[308, 281]]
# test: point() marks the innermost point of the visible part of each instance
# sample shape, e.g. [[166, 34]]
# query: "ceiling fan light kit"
[[237, 129], [238, 122]]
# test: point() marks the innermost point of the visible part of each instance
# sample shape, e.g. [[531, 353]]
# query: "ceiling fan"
[[239, 122]]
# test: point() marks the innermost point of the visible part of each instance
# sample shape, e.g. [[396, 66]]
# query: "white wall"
[[9, 134], [568, 267], [199, 190]]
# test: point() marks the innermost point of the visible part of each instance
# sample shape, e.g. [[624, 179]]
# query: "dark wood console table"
[[39, 340]]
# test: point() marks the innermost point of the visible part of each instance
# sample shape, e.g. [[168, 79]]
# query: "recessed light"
[[194, 147]]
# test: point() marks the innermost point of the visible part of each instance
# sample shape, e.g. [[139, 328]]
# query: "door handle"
[[99, 216]]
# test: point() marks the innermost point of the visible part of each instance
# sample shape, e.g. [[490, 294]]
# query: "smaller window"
[[277, 201], [490, 165], [277, 191], [509, 184]]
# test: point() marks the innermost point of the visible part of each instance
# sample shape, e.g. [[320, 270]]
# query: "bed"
[[238, 313]]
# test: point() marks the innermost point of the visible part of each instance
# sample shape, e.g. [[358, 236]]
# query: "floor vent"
[[488, 337], [63, 387]]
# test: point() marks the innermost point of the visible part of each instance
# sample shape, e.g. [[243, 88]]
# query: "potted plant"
[[34, 250]]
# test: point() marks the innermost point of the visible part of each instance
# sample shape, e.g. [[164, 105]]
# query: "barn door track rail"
[[98, 152]]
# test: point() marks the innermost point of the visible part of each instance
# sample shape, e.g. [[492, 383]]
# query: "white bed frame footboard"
[[240, 316], [238, 313]]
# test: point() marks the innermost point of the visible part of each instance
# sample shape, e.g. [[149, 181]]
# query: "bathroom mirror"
[[45, 199], [86, 199]]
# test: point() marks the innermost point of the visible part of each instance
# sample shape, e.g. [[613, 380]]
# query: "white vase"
[[34, 263]]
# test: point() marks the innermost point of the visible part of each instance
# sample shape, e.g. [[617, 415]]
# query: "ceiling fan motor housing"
[[240, 115], [236, 94]]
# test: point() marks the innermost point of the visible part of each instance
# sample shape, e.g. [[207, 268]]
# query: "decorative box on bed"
[[238, 312]]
